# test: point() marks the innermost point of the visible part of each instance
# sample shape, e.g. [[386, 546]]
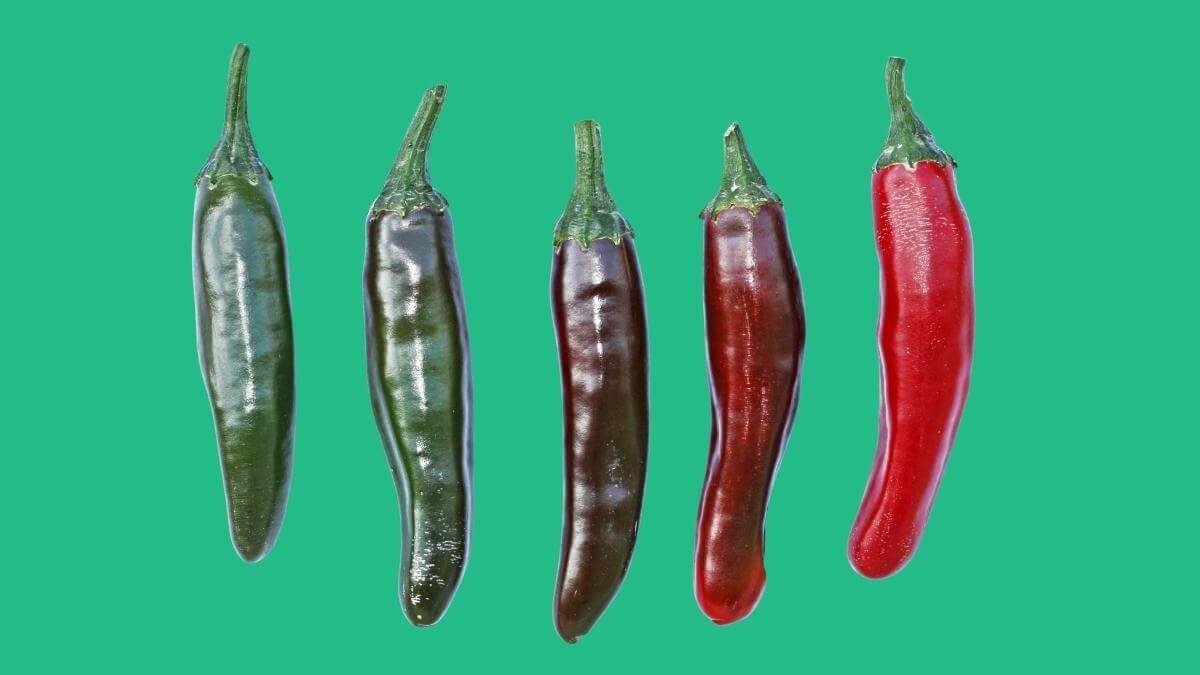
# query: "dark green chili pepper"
[[419, 370], [600, 321], [244, 325]]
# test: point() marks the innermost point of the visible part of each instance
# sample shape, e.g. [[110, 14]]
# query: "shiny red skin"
[[926, 333], [755, 320]]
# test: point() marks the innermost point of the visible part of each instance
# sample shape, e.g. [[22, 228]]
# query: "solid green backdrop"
[[1064, 536]]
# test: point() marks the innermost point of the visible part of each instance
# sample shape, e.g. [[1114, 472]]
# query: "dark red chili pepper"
[[755, 319], [926, 330], [599, 317]]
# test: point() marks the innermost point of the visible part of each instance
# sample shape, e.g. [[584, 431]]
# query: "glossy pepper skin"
[[419, 371], [754, 314], [244, 326], [600, 322], [926, 332]]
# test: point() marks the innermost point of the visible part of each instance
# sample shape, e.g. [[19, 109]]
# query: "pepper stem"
[[590, 186], [909, 141], [237, 123], [742, 184], [412, 166], [407, 187], [897, 95], [591, 213], [235, 154]]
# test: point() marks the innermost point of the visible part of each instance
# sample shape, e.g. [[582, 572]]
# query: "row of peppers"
[[419, 366]]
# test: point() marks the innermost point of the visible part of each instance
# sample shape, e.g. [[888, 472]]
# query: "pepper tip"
[[875, 559], [251, 551], [569, 634]]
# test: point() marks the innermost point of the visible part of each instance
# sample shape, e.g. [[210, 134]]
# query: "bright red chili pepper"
[[926, 329], [755, 320]]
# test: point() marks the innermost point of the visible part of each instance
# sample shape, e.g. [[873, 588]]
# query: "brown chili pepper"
[[600, 320]]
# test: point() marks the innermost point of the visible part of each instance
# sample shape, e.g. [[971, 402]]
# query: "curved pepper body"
[[600, 325], [421, 390], [599, 317], [419, 369], [926, 327], [755, 325], [244, 328], [926, 335]]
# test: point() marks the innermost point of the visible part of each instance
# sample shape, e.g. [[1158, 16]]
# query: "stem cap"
[[407, 187], [235, 154], [741, 184], [909, 141], [591, 213]]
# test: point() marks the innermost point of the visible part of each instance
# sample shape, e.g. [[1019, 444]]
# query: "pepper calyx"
[[908, 141], [235, 154], [742, 184], [407, 187], [591, 213]]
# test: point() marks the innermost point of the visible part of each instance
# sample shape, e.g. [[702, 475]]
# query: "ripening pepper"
[[754, 315]]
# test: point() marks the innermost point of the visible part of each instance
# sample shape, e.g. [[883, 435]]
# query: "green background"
[[1065, 533]]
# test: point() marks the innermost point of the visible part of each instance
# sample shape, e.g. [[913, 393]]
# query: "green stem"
[[591, 213], [407, 187], [235, 154], [237, 124], [590, 186], [742, 184], [412, 165], [909, 141]]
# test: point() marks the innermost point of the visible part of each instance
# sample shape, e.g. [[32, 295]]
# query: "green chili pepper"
[[419, 370], [244, 325]]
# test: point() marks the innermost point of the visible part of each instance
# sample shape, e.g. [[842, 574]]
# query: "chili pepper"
[[600, 322], [755, 321], [419, 370], [926, 330], [244, 325]]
